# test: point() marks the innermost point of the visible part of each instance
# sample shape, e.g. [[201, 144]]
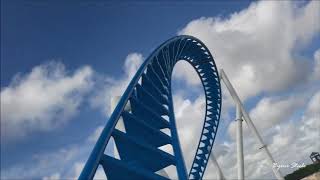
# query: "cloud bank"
[[43, 99], [259, 47]]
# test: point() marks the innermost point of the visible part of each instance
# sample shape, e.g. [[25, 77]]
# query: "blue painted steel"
[[150, 99]]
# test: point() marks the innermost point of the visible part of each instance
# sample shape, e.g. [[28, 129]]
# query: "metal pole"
[[247, 118], [220, 174], [240, 161]]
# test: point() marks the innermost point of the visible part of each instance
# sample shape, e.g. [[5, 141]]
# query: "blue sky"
[[87, 51], [104, 32]]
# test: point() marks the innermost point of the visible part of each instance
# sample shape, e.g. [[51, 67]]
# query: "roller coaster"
[[151, 112]]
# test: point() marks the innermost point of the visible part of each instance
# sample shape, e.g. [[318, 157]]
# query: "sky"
[[62, 62]]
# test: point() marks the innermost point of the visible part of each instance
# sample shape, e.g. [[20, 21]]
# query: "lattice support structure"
[[151, 112]]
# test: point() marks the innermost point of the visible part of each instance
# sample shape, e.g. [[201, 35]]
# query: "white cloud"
[[54, 176], [269, 112], [295, 141], [189, 117], [132, 63], [316, 70], [257, 46], [313, 108], [113, 87], [95, 135], [43, 99], [52, 91], [291, 141], [77, 168], [184, 70], [47, 165], [284, 130], [49, 95], [64, 163]]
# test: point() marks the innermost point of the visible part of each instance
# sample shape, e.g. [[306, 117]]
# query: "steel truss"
[[151, 110]]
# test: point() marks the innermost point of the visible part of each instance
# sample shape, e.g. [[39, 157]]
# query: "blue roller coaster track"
[[150, 98]]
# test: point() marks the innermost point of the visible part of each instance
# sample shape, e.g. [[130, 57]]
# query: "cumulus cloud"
[[290, 142], [316, 70], [189, 117], [113, 87], [52, 177], [258, 49], [95, 135], [184, 70], [270, 111], [313, 108], [48, 165], [63, 163], [43, 99], [50, 95], [257, 46], [47, 97]]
